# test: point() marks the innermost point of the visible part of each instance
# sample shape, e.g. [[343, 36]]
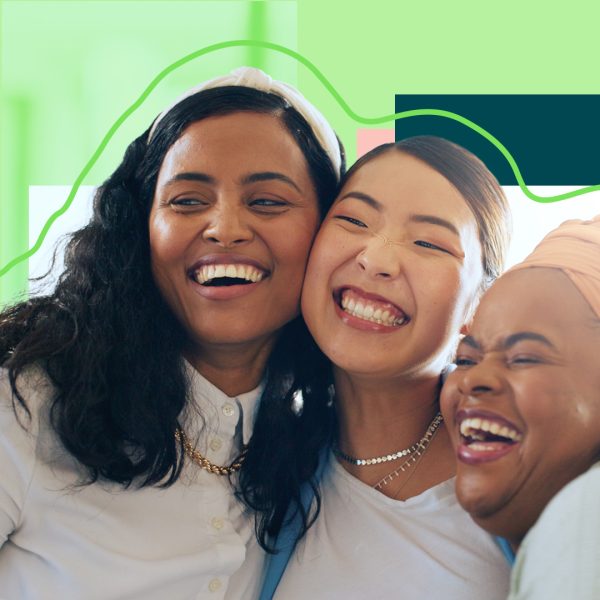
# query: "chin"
[[478, 501]]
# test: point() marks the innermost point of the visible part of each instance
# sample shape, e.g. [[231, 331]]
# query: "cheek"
[[546, 406], [293, 246], [166, 240], [320, 262], [440, 288], [450, 394]]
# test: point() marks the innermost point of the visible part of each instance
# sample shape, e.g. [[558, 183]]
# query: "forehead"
[[542, 300], [402, 182], [246, 140]]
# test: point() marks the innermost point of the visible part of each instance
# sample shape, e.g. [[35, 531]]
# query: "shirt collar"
[[206, 392]]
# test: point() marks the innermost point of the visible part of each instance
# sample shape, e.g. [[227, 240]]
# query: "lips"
[[368, 311], [485, 436]]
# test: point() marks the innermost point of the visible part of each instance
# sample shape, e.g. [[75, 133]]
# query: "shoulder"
[[34, 387], [560, 554], [572, 511]]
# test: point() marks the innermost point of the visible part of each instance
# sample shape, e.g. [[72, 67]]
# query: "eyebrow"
[[511, 340], [270, 176], [363, 198], [252, 178], [433, 220], [191, 176]]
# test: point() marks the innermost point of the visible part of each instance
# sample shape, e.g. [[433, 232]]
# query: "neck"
[[381, 416], [233, 368]]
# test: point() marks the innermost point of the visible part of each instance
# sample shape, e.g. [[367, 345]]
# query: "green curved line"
[[328, 86]]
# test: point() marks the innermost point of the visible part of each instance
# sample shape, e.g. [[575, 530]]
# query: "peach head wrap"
[[574, 248]]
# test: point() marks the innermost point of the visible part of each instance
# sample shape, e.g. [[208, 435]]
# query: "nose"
[[228, 225], [380, 258], [481, 378]]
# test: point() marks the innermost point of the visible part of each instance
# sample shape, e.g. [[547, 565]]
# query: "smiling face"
[[394, 270], [523, 406], [231, 224]]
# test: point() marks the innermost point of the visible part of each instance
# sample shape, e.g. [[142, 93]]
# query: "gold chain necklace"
[[203, 462]]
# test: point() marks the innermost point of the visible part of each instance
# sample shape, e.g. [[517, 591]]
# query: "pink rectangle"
[[367, 139]]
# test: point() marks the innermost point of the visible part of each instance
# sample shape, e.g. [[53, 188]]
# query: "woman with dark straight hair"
[[128, 396], [419, 229]]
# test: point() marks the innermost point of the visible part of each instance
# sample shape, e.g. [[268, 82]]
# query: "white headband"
[[257, 79]]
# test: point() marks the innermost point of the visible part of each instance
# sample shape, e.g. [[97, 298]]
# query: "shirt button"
[[228, 410], [217, 523], [215, 444], [214, 585]]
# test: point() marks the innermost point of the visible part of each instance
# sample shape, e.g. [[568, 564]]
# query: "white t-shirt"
[[559, 558], [99, 541], [365, 545]]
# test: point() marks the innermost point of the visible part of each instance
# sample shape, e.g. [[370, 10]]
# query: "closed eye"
[[425, 244], [187, 202], [268, 206], [525, 360], [462, 361], [350, 220], [267, 202]]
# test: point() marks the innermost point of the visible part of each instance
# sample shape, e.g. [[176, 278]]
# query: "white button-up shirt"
[[192, 540]]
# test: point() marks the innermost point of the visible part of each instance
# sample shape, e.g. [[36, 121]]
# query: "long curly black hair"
[[112, 347]]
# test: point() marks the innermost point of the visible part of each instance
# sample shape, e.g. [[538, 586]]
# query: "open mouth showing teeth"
[[226, 275], [480, 433], [382, 313]]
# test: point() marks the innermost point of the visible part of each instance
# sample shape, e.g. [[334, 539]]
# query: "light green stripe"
[[257, 30], [14, 191]]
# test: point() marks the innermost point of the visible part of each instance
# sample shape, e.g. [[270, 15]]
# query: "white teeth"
[[370, 312], [476, 428], [210, 272]]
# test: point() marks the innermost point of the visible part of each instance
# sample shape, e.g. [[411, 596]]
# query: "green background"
[[69, 69]]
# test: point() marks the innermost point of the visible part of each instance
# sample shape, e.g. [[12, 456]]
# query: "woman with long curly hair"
[[138, 400]]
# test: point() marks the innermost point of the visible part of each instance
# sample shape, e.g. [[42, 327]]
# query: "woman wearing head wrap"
[[128, 396], [523, 408]]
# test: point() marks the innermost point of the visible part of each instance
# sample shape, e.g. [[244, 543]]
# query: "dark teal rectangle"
[[554, 139]]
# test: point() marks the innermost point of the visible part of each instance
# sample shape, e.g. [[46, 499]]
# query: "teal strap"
[[288, 536], [507, 550]]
